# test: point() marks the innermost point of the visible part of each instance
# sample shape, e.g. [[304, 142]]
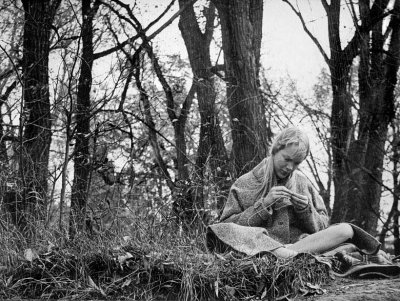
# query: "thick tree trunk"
[[211, 148], [381, 113], [36, 139], [241, 23], [341, 119], [80, 186], [361, 182], [341, 135]]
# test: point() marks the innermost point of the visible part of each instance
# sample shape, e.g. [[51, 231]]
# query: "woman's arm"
[[314, 217], [242, 207], [255, 215]]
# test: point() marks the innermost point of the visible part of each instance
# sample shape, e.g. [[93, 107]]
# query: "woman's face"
[[286, 161]]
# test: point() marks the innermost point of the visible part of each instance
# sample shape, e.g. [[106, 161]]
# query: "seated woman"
[[275, 208]]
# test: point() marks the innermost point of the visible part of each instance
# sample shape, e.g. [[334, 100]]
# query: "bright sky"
[[286, 48]]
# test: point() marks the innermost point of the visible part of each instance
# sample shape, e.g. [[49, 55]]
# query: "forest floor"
[[342, 289]]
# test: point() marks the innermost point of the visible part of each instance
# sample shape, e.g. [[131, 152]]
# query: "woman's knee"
[[345, 230]]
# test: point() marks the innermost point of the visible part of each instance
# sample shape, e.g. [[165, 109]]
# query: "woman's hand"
[[299, 201], [276, 193]]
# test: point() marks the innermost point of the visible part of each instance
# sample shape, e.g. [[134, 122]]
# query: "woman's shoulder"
[[252, 178], [259, 171]]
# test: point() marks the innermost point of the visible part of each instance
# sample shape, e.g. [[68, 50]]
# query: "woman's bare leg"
[[324, 240], [283, 252]]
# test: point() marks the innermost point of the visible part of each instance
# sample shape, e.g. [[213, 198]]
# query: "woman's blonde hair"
[[287, 137], [292, 136]]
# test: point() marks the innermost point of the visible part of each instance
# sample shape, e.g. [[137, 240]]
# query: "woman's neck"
[[284, 181]]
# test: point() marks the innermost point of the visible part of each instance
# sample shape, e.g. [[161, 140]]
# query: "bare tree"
[[377, 80], [358, 146], [211, 148], [83, 114], [241, 26], [35, 118]]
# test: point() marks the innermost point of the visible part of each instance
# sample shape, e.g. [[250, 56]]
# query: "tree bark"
[[34, 156], [384, 69], [80, 186], [359, 191], [241, 23], [211, 148], [339, 64]]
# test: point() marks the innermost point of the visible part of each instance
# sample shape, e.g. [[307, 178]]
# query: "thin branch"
[[121, 16], [115, 48], [160, 16], [312, 37], [166, 87], [191, 2], [59, 41], [138, 35], [138, 26], [9, 89]]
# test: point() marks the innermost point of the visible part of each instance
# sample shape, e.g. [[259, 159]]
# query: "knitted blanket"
[[223, 237]]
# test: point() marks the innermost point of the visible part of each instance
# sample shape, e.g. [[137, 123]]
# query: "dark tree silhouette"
[[241, 26], [80, 184], [211, 148], [36, 120]]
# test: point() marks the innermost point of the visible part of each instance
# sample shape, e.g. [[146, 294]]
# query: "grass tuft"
[[157, 264]]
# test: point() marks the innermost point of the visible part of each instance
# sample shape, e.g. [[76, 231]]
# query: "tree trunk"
[[377, 79], [241, 23], [183, 205], [34, 156], [80, 186], [381, 111], [341, 135], [211, 148], [339, 63]]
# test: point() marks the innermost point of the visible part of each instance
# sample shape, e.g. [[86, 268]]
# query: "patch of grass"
[[156, 263]]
